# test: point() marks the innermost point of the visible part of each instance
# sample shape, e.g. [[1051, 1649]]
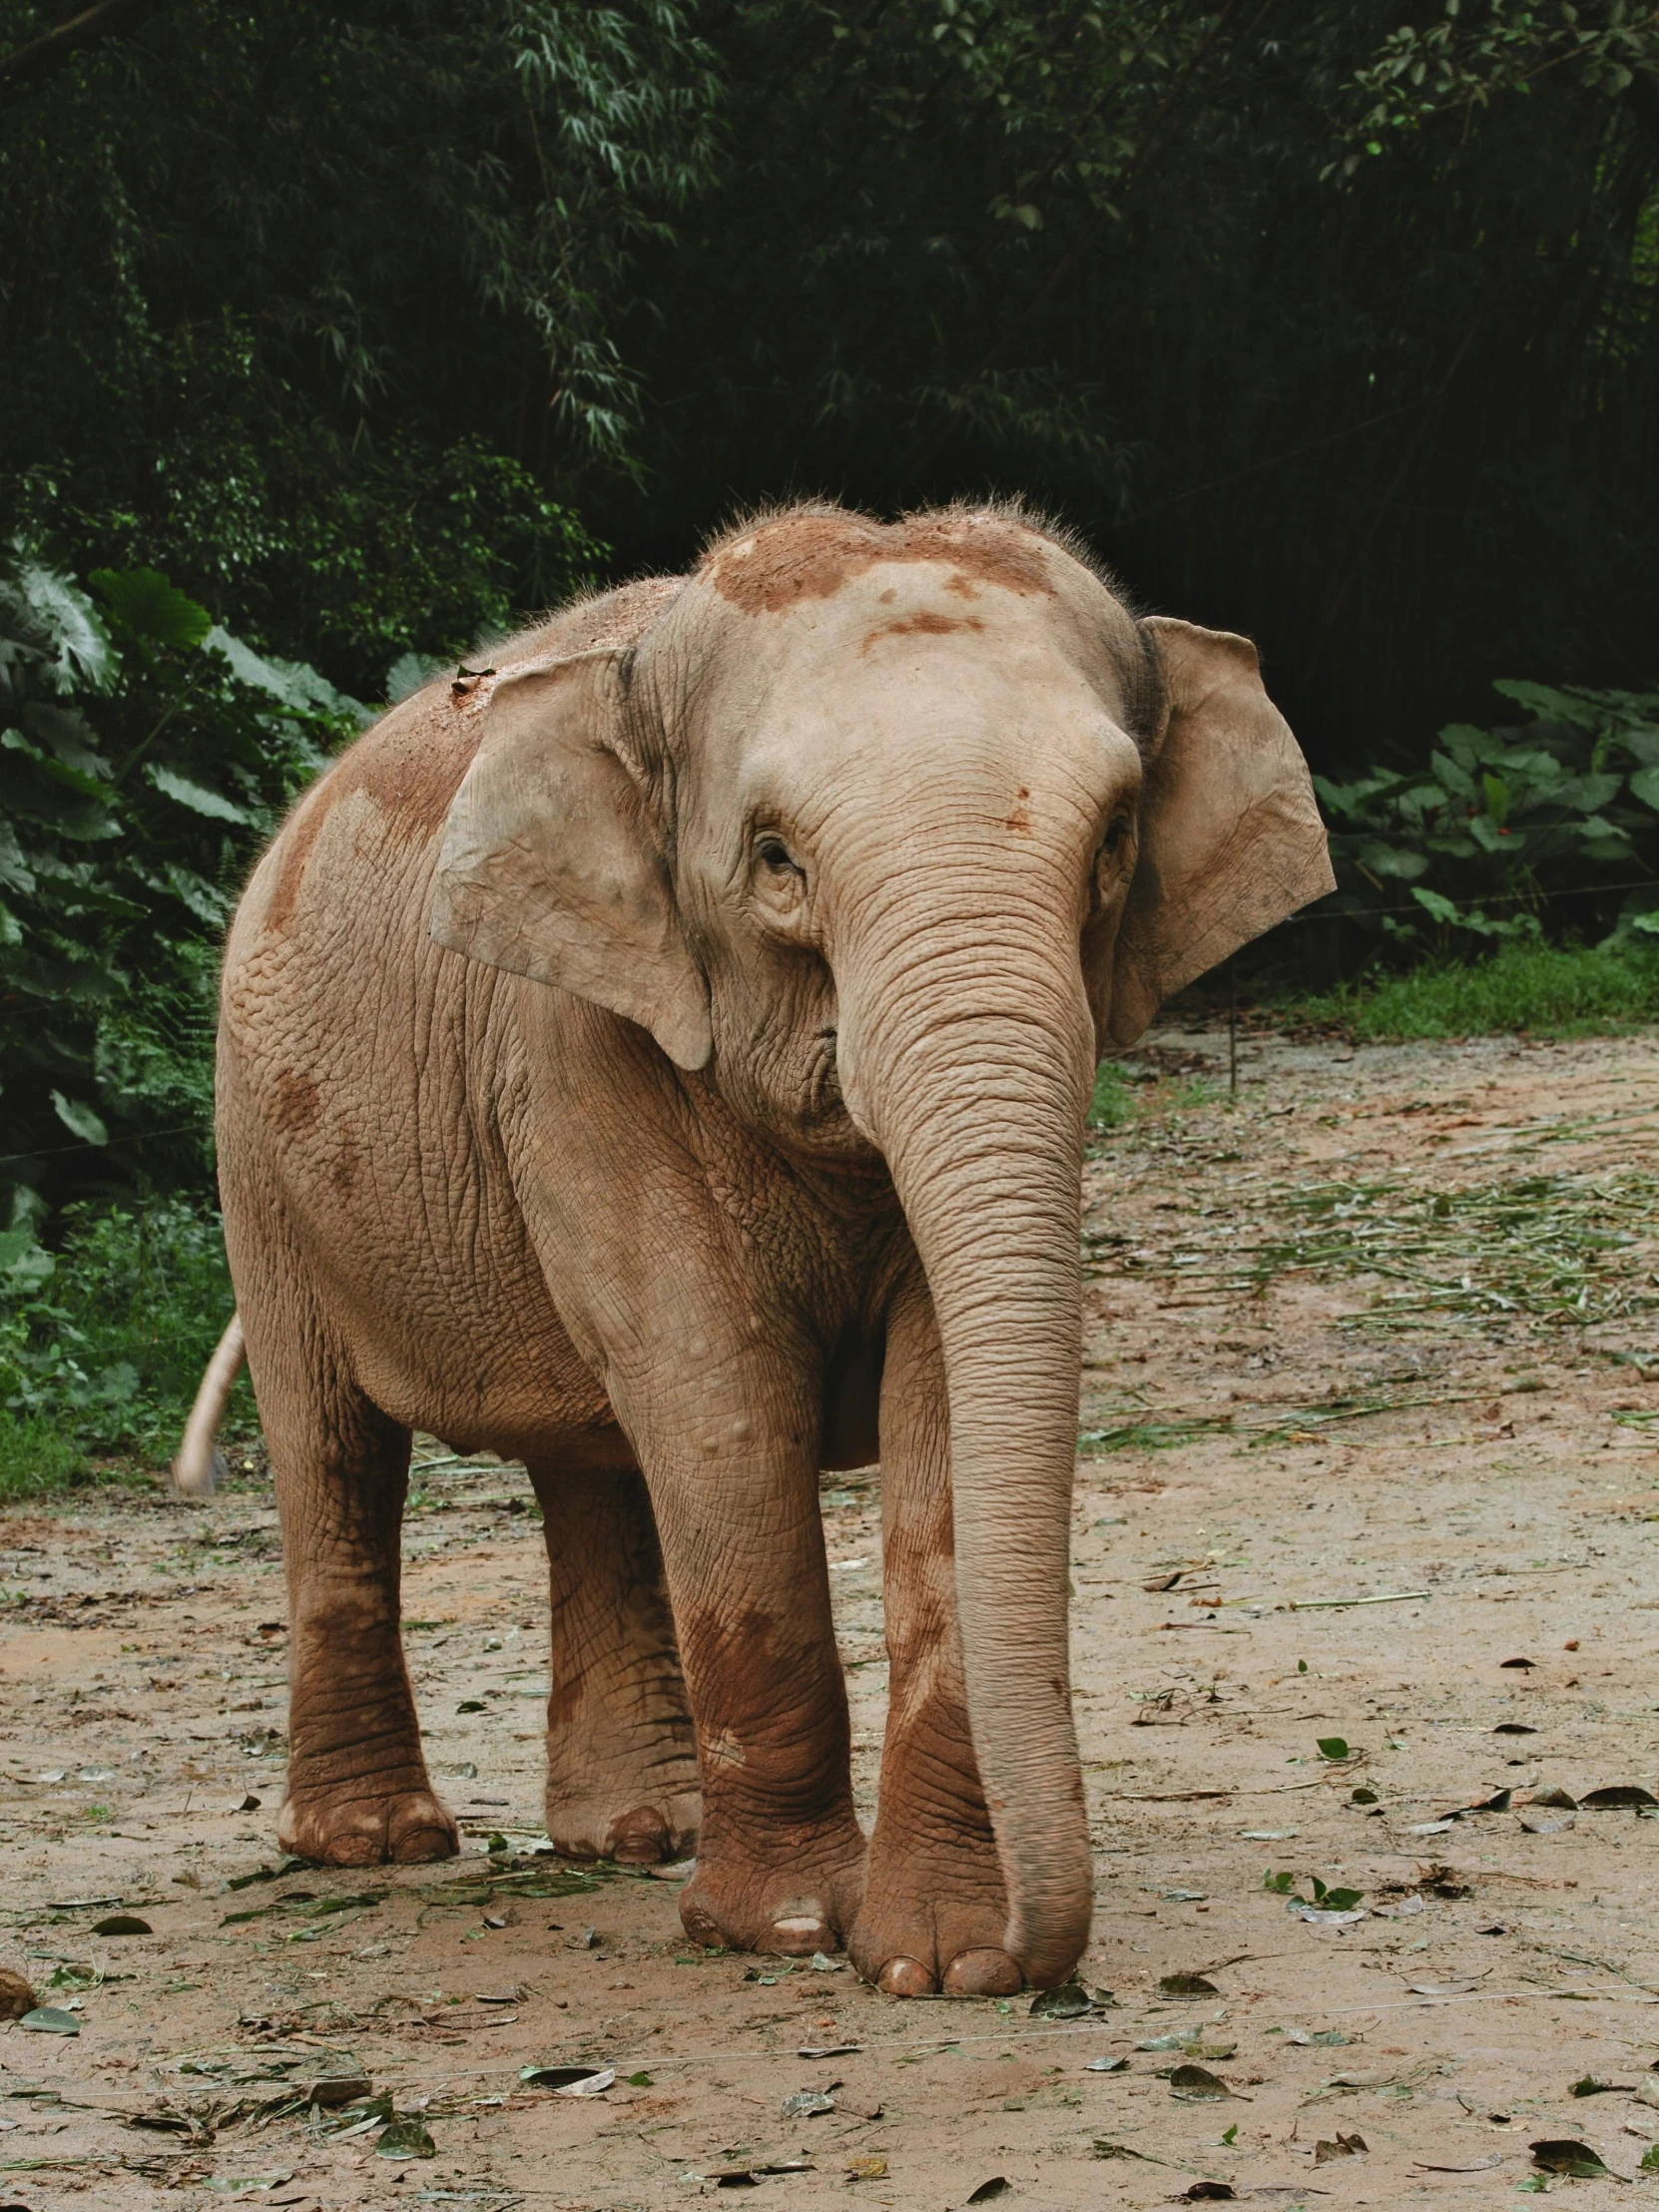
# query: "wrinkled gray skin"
[[664, 1059]]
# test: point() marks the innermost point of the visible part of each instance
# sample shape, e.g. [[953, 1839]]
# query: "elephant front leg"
[[780, 1861], [357, 1788], [934, 1909], [621, 1761]]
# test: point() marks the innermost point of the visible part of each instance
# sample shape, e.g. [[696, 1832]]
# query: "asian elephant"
[[662, 1058]]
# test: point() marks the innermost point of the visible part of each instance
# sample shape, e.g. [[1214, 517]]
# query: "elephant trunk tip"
[[199, 1466]]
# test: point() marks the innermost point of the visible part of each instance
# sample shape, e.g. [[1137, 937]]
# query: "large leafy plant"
[[145, 754], [1510, 832]]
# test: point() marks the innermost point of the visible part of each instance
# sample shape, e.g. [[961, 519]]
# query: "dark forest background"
[[370, 325], [333, 338]]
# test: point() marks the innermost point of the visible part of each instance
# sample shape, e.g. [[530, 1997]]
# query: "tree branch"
[[59, 45]]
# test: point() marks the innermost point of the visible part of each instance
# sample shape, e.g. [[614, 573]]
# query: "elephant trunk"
[[966, 1056]]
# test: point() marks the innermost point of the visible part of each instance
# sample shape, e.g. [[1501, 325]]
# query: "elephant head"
[[893, 830]]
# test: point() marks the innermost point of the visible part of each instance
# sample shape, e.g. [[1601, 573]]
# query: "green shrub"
[[145, 756], [102, 1344], [1502, 823], [1548, 990]]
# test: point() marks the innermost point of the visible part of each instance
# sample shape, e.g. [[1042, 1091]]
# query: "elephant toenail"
[[983, 1974], [640, 1837], [800, 1932], [700, 1923], [906, 1977]]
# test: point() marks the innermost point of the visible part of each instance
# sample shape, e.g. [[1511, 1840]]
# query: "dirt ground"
[[1369, 1457]]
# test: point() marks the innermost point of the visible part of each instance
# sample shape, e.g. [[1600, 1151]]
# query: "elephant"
[[663, 1057]]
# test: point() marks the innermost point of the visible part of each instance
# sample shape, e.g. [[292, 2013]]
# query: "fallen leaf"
[[1106, 2065], [827, 2050], [406, 2138], [591, 2085], [1548, 1824], [1554, 1794], [865, 2169], [168, 2119], [997, 2186], [1485, 2166], [1197, 2085], [1507, 1728], [808, 2104], [1070, 2002], [556, 2077], [1344, 2146], [1591, 2085], [1187, 1985], [1561, 2155], [121, 1923], [1210, 2192], [1615, 1798], [46, 2019], [860, 2108], [330, 2091], [1518, 1662]]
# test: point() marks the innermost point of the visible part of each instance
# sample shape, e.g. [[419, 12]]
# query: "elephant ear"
[[1231, 839], [552, 866]]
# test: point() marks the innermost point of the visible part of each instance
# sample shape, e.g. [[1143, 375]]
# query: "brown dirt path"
[[1267, 1430]]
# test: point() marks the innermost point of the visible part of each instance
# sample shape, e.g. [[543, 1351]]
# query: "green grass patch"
[[1548, 990], [103, 1342], [1126, 1093]]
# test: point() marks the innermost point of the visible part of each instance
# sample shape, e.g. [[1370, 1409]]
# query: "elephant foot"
[[934, 1922], [351, 1827], [803, 1905], [636, 1828]]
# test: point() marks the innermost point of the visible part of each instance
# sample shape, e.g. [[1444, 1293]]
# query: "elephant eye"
[[1117, 830], [773, 854]]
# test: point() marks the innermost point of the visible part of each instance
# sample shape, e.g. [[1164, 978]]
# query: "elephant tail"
[[198, 1466]]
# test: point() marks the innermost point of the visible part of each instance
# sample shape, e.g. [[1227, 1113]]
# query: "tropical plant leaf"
[[144, 605]]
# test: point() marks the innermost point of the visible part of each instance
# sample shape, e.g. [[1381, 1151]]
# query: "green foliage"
[[309, 309], [1509, 820], [102, 1344], [145, 754], [1380, 394], [1547, 991], [1113, 1102]]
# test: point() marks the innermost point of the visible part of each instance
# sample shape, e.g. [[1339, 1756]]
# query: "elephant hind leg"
[[621, 1752], [357, 1788]]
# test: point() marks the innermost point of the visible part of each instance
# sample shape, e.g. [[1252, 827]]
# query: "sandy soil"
[[1456, 1436]]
